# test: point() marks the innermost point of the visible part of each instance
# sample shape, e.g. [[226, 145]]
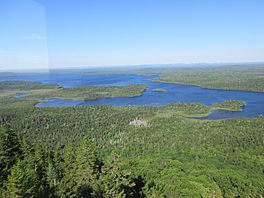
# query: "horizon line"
[[127, 65]]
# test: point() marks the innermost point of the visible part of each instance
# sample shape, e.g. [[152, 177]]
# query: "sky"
[[75, 33]]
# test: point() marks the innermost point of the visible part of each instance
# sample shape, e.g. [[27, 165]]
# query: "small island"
[[229, 105]]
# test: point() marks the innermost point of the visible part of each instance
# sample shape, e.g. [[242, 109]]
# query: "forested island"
[[33, 90], [230, 105], [129, 151], [8, 88]]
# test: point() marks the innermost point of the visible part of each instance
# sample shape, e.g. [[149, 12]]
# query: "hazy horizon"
[[142, 66]]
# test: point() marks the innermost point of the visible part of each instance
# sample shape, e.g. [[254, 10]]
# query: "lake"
[[171, 93]]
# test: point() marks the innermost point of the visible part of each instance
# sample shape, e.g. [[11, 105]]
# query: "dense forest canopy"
[[129, 151], [33, 90], [236, 77]]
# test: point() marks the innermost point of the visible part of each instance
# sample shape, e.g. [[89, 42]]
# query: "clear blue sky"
[[60, 33]]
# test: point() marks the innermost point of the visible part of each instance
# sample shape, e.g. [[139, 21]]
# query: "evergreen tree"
[[86, 168], [41, 165], [114, 182], [81, 171], [23, 180], [54, 171], [10, 150], [67, 182]]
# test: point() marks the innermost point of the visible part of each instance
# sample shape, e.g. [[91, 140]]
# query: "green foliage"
[[174, 155], [92, 92], [80, 171], [76, 172], [9, 89], [24, 85], [115, 182], [231, 105], [33, 90], [23, 180], [64, 151], [10, 151], [230, 77]]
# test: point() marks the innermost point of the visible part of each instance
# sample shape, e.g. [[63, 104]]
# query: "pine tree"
[[23, 180], [81, 169], [10, 151], [86, 169], [54, 171], [67, 182], [52, 179], [41, 164], [114, 181]]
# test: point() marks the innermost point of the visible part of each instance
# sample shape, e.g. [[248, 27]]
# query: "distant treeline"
[[249, 78], [24, 85]]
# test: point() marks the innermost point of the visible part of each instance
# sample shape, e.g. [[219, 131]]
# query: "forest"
[[231, 105], [132, 99], [33, 90], [230, 77], [8, 88], [130, 151]]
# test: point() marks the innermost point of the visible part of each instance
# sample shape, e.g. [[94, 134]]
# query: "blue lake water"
[[174, 93]]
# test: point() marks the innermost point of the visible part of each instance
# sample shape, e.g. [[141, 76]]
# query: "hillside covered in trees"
[[106, 151]]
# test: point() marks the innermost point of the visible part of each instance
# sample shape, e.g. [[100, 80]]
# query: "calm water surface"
[[174, 93]]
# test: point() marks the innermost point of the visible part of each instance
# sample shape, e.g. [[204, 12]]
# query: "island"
[[92, 92], [33, 90], [229, 105]]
